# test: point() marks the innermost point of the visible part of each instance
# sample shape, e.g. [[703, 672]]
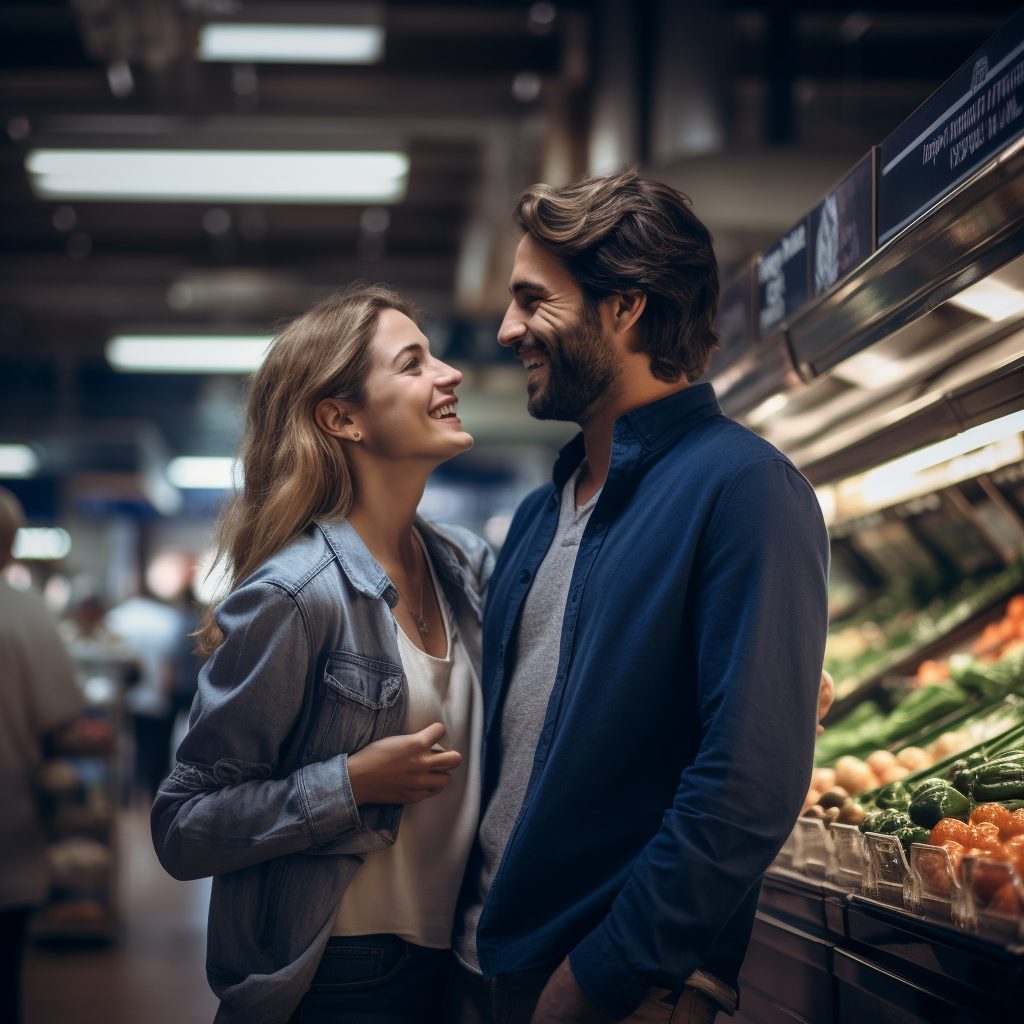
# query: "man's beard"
[[581, 368]]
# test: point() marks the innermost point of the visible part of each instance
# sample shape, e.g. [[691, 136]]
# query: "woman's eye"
[[412, 364]]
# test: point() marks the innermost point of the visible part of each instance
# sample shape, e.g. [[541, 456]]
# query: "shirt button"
[[524, 575], [551, 504]]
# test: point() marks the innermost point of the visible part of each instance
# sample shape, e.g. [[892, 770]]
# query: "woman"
[[340, 695]]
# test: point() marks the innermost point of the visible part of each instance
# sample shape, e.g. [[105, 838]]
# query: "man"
[[653, 640], [37, 695]]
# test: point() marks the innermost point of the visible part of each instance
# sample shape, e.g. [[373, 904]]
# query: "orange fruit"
[[1004, 900], [951, 829], [995, 814], [985, 835]]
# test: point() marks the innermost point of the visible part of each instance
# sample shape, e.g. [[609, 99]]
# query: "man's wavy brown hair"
[[622, 233]]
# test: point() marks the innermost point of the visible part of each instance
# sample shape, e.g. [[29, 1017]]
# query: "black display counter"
[[824, 956]]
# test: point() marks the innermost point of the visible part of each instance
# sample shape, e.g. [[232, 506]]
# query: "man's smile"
[[533, 359]]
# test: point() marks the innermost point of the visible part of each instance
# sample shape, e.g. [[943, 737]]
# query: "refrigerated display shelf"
[[934, 637], [821, 955]]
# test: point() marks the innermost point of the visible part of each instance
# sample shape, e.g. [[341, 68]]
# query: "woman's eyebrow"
[[414, 347]]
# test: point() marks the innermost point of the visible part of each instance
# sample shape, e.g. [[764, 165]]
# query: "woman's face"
[[410, 408]]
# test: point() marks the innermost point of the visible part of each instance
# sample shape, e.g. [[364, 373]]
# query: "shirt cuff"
[[327, 798], [603, 975]]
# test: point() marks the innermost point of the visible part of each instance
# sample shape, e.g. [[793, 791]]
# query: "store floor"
[[154, 975]]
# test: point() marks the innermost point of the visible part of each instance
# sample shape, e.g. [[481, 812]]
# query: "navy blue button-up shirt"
[[677, 746]]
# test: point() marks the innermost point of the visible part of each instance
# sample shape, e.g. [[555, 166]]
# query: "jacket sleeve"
[[225, 806], [759, 609]]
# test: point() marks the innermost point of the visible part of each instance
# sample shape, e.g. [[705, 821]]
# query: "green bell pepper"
[[911, 834], [885, 821], [936, 799], [1003, 780], [895, 795]]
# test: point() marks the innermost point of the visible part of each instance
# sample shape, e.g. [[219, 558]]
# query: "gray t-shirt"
[[37, 694], [537, 645]]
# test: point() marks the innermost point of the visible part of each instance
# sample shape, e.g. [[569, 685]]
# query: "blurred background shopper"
[[341, 685], [38, 695]]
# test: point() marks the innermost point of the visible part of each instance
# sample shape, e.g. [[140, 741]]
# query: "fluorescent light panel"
[[990, 299], [982, 449], [291, 44], [188, 354], [144, 175], [41, 543], [196, 472], [17, 461]]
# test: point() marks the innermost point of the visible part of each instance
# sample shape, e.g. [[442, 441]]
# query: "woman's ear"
[[334, 418]]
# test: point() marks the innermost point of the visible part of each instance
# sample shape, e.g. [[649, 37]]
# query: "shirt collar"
[[644, 430]]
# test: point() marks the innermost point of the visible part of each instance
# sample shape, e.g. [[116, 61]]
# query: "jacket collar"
[[644, 430], [367, 576], [362, 569]]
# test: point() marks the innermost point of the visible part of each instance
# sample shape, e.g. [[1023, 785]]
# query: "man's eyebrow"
[[526, 286], [415, 346]]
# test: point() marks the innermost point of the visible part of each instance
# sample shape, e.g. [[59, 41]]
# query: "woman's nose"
[[448, 376]]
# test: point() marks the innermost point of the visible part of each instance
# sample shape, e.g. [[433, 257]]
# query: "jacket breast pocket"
[[362, 700]]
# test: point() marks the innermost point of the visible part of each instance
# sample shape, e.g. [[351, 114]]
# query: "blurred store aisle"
[[156, 972]]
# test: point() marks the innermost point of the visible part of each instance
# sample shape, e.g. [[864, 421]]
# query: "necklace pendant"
[[423, 626]]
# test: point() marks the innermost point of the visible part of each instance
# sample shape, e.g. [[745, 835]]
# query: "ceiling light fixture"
[[41, 543], [990, 299], [982, 449], [960, 444], [291, 44], [870, 370], [186, 176], [198, 472], [186, 354], [17, 461]]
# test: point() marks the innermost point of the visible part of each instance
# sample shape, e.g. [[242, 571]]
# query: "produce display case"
[[80, 789], [900, 894]]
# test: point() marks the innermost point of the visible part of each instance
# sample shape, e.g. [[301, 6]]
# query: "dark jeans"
[[512, 999], [152, 751], [13, 926], [376, 979], [507, 999]]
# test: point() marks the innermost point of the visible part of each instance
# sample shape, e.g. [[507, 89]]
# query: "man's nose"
[[512, 327]]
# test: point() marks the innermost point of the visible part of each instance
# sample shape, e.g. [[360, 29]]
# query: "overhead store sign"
[[782, 278], [735, 320], [978, 112], [842, 227]]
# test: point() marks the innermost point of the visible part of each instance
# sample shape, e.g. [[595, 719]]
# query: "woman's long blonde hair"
[[294, 473]]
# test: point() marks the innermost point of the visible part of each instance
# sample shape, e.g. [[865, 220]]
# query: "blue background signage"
[[978, 112], [782, 278], [735, 320], [842, 227]]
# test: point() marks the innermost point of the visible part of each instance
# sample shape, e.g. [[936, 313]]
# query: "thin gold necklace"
[[419, 618]]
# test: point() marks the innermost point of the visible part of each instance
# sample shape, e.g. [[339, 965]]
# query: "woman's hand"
[[402, 769]]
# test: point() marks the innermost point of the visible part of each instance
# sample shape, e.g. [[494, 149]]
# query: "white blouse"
[[410, 889]]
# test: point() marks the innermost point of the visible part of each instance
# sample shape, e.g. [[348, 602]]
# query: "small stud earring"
[[355, 433]]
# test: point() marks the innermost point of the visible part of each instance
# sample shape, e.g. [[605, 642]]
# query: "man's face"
[[558, 336]]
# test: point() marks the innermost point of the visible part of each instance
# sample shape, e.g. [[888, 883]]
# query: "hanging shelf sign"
[[977, 113], [842, 227], [782, 279]]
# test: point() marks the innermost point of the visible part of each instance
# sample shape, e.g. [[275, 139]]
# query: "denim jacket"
[[309, 672]]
